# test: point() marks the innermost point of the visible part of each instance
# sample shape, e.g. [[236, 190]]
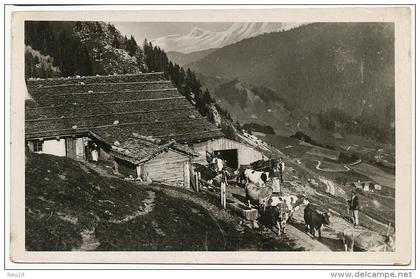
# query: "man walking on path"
[[354, 207]]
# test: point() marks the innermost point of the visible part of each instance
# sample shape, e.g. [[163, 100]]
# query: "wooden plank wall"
[[168, 167], [126, 168], [246, 154], [75, 148]]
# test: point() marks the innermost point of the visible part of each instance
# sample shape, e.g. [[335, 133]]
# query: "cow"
[[314, 219], [367, 240], [288, 201], [256, 177], [206, 173], [240, 175], [264, 165], [276, 216], [293, 202], [257, 195]]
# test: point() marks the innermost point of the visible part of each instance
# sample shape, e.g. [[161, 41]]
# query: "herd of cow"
[[274, 210]]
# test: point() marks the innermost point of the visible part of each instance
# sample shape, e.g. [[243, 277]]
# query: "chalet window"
[[38, 146]]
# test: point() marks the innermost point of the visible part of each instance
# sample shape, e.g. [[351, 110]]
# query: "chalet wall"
[[55, 147], [170, 167], [75, 148], [126, 168], [246, 154]]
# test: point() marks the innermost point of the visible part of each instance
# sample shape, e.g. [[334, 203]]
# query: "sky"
[[153, 30]]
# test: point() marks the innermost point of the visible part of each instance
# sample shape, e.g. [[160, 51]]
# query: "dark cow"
[[275, 216], [264, 165], [314, 219], [206, 172], [240, 175]]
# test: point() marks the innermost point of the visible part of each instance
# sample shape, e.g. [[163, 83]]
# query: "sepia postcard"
[[211, 135]]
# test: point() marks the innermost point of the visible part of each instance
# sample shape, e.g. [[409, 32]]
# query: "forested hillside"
[[326, 69], [83, 48]]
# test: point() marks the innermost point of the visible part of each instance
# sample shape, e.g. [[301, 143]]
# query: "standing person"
[[94, 152], [354, 207], [276, 177], [281, 167]]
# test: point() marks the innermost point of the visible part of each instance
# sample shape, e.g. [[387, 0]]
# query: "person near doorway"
[[94, 152], [354, 206], [218, 163]]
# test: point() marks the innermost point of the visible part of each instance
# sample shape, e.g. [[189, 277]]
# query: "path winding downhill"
[[318, 167]]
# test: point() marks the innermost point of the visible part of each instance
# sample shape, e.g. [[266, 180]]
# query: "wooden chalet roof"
[[114, 107], [139, 149]]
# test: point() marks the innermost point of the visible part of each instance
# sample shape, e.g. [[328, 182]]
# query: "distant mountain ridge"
[[343, 70], [200, 39], [187, 58]]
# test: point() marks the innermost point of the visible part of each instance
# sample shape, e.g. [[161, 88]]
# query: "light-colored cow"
[[367, 240], [255, 177]]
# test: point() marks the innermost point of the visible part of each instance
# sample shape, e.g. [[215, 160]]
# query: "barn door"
[[187, 175]]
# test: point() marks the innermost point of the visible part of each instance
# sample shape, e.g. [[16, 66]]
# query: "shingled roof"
[[113, 108], [138, 149]]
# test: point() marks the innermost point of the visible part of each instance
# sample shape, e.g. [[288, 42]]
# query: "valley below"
[[343, 172]]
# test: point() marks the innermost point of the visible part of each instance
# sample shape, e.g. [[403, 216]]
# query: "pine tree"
[[116, 42]]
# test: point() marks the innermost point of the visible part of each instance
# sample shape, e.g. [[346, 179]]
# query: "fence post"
[[223, 194]]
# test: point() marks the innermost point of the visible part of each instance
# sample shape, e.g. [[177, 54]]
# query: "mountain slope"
[[199, 39], [347, 67], [251, 104], [80, 48], [187, 58]]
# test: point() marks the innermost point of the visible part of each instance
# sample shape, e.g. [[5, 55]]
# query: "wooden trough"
[[250, 214]]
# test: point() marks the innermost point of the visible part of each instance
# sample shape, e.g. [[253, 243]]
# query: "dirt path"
[[319, 163], [147, 207]]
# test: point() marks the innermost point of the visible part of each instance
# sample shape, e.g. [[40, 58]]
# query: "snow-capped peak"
[[197, 32], [200, 39]]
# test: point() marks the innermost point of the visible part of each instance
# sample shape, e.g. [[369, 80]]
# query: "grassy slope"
[[63, 198], [66, 200]]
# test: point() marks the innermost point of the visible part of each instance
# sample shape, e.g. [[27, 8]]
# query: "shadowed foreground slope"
[[71, 206]]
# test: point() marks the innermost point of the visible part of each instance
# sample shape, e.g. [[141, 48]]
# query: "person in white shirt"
[[94, 152]]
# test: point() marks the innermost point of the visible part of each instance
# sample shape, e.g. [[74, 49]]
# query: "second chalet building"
[[140, 122]]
